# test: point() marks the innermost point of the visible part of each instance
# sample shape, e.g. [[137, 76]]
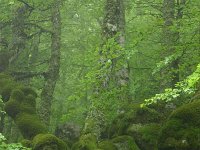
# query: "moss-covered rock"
[[136, 115], [182, 129], [146, 136], [48, 142], [125, 143], [86, 142], [107, 145]]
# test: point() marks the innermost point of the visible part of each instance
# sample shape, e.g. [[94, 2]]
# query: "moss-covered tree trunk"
[[54, 64], [168, 40], [116, 75], [114, 28], [172, 13]]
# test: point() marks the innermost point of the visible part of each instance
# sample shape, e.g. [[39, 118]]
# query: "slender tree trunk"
[[19, 36], [54, 65]]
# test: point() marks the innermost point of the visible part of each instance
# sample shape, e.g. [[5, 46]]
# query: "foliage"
[[185, 87], [12, 146], [88, 64], [2, 112]]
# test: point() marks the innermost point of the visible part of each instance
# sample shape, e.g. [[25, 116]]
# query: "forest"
[[100, 75]]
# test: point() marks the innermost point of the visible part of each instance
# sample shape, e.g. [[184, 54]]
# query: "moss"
[[31, 100], [147, 115], [125, 143], [107, 145], [136, 115], [17, 95], [7, 85], [12, 108], [48, 141], [28, 105], [27, 108], [182, 129], [146, 136], [86, 142], [188, 113], [7, 91], [20, 104], [26, 143], [28, 91], [29, 125]]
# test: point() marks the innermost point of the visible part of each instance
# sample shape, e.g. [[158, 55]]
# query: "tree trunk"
[[19, 36], [171, 36], [113, 27], [54, 65]]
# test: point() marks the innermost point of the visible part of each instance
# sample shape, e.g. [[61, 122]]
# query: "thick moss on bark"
[[182, 130], [29, 125], [7, 85], [21, 107], [20, 104]]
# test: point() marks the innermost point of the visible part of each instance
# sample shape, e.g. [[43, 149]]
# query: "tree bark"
[[19, 36], [113, 27], [171, 36], [54, 65]]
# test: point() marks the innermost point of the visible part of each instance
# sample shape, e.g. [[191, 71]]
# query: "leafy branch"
[[187, 87]]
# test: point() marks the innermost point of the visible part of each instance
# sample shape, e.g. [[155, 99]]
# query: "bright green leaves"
[[11, 2], [185, 87]]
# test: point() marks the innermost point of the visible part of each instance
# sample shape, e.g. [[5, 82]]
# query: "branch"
[[25, 3], [24, 75]]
